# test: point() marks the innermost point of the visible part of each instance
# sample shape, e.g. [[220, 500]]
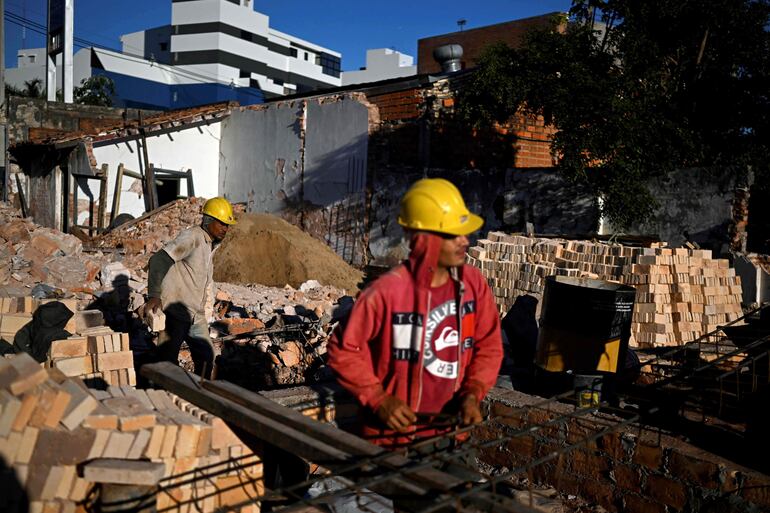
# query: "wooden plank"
[[289, 438], [326, 432], [116, 194], [102, 197], [186, 386]]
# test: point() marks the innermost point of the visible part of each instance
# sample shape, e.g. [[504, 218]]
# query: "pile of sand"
[[266, 249]]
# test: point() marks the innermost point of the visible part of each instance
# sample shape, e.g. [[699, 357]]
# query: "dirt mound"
[[266, 249]]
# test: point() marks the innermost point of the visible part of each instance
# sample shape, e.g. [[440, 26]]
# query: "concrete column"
[[3, 108], [68, 50]]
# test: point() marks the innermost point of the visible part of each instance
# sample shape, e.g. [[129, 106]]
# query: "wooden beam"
[[286, 436], [348, 442], [116, 195], [102, 198], [186, 385], [22, 201]]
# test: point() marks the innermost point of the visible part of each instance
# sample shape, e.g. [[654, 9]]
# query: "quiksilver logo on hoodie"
[[408, 329], [438, 340]]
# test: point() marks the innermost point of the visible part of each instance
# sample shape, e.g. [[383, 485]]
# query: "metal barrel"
[[585, 325]]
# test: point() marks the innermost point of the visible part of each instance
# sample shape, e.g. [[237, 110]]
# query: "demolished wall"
[[303, 160]]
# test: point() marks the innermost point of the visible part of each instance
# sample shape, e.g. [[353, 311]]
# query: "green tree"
[[637, 89], [32, 89], [95, 90]]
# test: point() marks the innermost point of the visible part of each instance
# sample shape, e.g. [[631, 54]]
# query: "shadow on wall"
[[696, 205]]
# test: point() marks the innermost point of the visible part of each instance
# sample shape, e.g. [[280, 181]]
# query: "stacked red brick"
[[49, 424], [681, 293]]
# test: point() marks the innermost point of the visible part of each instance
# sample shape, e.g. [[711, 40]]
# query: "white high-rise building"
[[213, 51], [229, 40]]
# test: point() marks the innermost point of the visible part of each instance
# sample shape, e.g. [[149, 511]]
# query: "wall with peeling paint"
[[336, 143], [260, 161], [190, 149]]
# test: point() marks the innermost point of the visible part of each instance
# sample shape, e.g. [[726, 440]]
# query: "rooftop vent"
[[448, 56]]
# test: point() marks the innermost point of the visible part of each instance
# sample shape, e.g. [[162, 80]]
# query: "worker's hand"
[[152, 305], [470, 412], [396, 414]]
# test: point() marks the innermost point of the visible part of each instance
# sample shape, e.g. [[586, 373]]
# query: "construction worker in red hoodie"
[[425, 337]]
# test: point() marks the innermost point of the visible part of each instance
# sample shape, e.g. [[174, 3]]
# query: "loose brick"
[[636, 504], [667, 491], [627, 478], [699, 472], [114, 361], [650, 456], [69, 347]]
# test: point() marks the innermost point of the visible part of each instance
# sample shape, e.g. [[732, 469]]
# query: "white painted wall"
[[381, 64], [189, 150]]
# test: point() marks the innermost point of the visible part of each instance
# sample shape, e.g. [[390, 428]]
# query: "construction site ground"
[[685, 435]]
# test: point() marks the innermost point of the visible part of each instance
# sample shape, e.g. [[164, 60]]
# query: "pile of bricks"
[[94, 352], [682, 294], [50, 424]]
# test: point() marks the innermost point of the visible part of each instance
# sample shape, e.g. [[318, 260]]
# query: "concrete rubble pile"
[[112, 276], [81, 402], [293, 327], [31, 254], [681, 295], [141, 237], [50, 424]]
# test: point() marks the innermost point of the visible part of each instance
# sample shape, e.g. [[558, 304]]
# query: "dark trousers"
[[196, 334]]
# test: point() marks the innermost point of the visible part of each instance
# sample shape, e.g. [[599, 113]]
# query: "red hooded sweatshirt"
[[381, 349]]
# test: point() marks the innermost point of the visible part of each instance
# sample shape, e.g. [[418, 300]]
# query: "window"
[[307, 56], [330, 64], [244, 74], [32, 59], [164, 47], [278, 81], [293, 52]]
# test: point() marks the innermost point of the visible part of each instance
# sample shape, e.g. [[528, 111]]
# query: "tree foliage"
[[637, 89], [32, 89], [95, 90]]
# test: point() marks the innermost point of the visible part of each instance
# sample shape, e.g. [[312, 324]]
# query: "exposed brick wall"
[[31, 118], [475, 40], [399, 105], [523, 142], [533, 141], [628, 470]]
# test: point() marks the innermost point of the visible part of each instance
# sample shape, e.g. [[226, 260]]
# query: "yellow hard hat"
[[220, 209], [435, 205]]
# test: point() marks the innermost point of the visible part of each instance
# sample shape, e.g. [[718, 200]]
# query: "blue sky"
[[347, 26]]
